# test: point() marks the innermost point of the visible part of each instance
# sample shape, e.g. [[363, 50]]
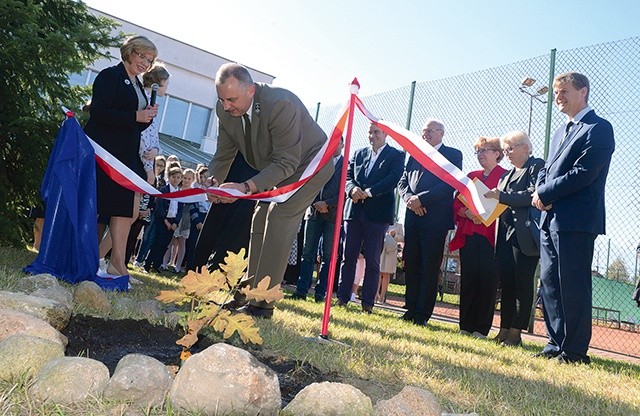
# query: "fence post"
[[408, 127], [317, 111], [552, 72]]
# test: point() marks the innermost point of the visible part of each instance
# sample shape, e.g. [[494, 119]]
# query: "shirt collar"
[[580, 114]]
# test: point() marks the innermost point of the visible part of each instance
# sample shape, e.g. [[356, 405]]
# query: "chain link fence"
[[492, 102]]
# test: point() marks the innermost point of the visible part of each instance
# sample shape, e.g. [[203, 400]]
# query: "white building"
[[188, 122]]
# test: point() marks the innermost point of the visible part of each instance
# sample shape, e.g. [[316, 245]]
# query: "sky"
[[315, 48]]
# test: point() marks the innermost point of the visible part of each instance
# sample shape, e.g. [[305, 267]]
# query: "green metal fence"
[[493, 101]]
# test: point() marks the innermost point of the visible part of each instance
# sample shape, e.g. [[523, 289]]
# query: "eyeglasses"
[[144, 58], [480, 151], [430, 130], [510, 149]]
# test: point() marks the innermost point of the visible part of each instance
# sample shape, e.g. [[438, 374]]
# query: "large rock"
[[51, 311], [70, 380], [57, 293], [30, 284], [223, 380], [411, 401], [89, 295], [140, 379], [25, 354], [329, 399], [14, 322], [151, 310]]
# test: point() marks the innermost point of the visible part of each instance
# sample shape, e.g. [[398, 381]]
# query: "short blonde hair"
[[156, 75], [492, 143], [140, 44], [516, 137]]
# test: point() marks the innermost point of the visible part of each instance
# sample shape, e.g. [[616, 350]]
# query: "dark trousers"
[[423, 252], [147, 241], [161, 241], [565, 282], [226, 228], [360, 233], [478, 284], [516, 280], [316, 229], [134, 232]]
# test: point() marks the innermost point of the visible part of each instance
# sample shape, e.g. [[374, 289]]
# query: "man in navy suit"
[[570, 194], [372, 177], [428, 219], [320, 223]]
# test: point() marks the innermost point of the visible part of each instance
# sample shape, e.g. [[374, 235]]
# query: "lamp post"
[[524, 88]]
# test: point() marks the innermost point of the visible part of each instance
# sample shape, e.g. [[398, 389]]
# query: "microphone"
[[154, 94]]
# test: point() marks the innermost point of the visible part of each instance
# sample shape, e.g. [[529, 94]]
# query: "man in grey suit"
[[275, 133], [570, 194]]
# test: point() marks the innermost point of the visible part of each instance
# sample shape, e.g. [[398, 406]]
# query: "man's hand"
[[357, 194], [214, 199], [321, 207], [537, 203]]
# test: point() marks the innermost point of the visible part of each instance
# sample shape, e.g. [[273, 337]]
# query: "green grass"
[[380, 354]]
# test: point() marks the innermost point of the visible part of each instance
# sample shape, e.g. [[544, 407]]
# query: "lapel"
[[379, 159], [365, 162], [565, 143]]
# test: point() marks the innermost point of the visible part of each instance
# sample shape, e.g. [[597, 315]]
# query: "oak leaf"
[[173, 296], [234, 266], [199, 284], [262, 292], [191, 337]]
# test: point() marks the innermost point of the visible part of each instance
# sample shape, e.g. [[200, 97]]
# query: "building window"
[[175, 117], [198, 123], [184, 120]]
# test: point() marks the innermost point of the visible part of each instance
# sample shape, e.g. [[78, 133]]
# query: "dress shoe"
[[234, 304], [420, 321], [367, 309], [511, 343], [547, 354], [478, 335], [297, 296], [565, 359], [341, 304], [501, 336], [256, 311], [319, 299], [408, 316]]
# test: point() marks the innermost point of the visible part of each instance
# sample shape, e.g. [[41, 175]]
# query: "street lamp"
[[524, 88]]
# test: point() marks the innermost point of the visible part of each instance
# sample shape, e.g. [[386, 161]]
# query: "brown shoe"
[[367, 309], [341, 304]]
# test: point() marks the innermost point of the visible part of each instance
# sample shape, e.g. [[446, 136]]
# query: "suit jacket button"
[[515, 220], [527, 223]]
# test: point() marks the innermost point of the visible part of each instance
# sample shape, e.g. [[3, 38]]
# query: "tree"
[[618, 271], [43, 42]]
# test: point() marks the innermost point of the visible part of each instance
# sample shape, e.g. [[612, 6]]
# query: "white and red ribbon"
[[422, 151]]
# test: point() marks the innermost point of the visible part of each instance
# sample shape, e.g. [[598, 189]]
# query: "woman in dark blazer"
[[119, 112], [517, 237]]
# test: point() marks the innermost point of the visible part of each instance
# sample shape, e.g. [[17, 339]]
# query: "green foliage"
[[618, 271], [206, 293], [43, 42]]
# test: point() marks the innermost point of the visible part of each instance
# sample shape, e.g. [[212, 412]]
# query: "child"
[[184, 227], [166, 216], [149, 139]]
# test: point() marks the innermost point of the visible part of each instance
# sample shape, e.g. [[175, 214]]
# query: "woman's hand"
[[146, 115], [493, 194]]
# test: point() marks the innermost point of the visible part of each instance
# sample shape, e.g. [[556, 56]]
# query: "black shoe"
[[341, 304], [408, 316], [565, 359], [256, 311], [367, 309], [235, 304], [297, 296], [420, 321], [319, 299], [547, 354]]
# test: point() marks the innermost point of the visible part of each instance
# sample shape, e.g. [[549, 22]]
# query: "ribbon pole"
[[354, 87]]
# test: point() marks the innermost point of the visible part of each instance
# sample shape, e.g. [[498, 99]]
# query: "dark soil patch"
[[110, 340]]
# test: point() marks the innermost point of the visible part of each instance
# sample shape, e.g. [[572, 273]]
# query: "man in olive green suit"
[[277, 136]]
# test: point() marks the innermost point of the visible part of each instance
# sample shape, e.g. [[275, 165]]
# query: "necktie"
[[247, 140], [567, 129]]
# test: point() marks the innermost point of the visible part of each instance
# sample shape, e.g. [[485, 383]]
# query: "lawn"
[[381, 354]]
